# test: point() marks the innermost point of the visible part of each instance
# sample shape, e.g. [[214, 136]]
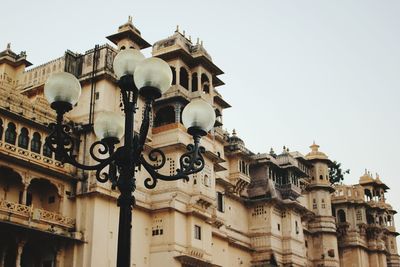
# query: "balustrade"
[[36, 214]]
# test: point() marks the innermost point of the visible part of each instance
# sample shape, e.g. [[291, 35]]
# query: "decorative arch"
[[11, 185], [47, 151], [44, 194], [173, 70], [23, 138], [11, 134], [184, 78], [38, 253], [36, 143], [205, 83], [341, 215], [195, 81], [368, 195], [370, 219], [164, 115]]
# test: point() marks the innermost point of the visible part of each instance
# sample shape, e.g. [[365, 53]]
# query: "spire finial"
[[177, 28], [197, 41], [314, 147], [130, 19], [183, 33], [234, 132], [190, 38], [8, 46]]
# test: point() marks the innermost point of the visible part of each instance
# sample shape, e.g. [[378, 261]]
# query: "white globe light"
[[126, 61], [153, 72], [62, 87], [200, 114], [109, 124]]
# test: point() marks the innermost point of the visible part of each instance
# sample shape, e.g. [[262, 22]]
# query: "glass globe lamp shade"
[[153, 77], [62, 87], [198, 114], [126, 61], [109, 124]]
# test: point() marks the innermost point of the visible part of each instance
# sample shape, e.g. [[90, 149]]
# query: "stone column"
[[177, 108], [178, 73], [24, 194], [59, 258], [20, 249]]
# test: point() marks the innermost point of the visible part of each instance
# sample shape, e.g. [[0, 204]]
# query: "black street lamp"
[[148, 78]]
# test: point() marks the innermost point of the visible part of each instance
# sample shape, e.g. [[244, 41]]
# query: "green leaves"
[[336, 174]]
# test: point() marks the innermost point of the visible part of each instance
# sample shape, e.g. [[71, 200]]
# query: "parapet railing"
[[36, 214]]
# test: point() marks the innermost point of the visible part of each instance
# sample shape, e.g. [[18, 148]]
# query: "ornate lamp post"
[[148, 78]]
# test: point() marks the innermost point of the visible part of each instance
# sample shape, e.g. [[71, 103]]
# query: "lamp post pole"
[[148, 78], [126, 185]]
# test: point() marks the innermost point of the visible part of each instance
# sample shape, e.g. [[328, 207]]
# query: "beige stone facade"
[[243, 209]]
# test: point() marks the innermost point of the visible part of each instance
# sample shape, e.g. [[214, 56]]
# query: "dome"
[[315, 153], [234, 139], [366, 178]]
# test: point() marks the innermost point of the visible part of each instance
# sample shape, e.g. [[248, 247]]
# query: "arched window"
[[46, 151], [194, 82], [205, 83], [165, 115], [368, 195], [11, 134], [341, 216], [370, 219], [173, 75], [321, 177], [380, 220], [23, 138], [1, 129], [184, 78], [36, 143]]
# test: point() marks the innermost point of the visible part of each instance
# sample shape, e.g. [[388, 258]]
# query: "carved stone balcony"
[[289, 191], [239, 180], [195, 257], [32, 157], [30, 216]]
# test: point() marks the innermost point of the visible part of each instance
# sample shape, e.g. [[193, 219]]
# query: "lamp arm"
[[144, 128], [62, 144], [190, 162]]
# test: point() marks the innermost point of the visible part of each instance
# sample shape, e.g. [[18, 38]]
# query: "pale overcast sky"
[[296, 71]]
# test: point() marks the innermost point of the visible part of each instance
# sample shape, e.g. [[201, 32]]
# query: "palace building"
[[243, 209]]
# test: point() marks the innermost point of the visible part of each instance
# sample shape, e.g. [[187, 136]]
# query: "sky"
[[295, 71]]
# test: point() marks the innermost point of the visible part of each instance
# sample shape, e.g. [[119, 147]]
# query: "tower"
[[322, 240], [12, 66]]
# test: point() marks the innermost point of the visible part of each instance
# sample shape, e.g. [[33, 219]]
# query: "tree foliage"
[[336, 174]]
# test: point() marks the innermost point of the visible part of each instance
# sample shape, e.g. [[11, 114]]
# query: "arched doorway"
[[38, 254], [43, 194], [164, 115], [10, 254], [11, 186], [341, 216]]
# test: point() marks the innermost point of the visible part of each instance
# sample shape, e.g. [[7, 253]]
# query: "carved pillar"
[[59, 258], [20, 249], [178, 74], [177, 108], [190, 82], [24, 194]]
